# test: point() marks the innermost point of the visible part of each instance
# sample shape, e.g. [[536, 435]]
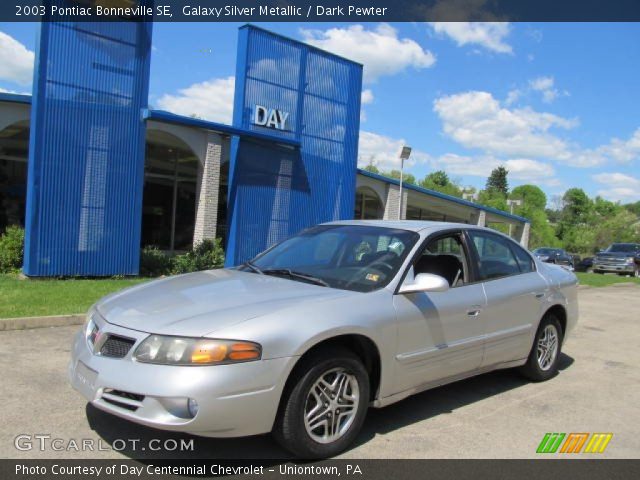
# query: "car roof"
[[411, 225]]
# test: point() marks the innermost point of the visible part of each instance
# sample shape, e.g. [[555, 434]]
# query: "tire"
[[291, 429], [589, 270], [540, 367]]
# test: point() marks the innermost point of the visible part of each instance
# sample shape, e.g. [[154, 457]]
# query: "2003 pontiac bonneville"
[[302, 339]]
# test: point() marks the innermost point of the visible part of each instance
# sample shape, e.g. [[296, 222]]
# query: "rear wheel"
[[325, 404], [542, 363]]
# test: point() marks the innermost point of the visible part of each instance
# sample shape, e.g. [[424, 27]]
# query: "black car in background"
[[554, 255], [584, 265], [620, 258]]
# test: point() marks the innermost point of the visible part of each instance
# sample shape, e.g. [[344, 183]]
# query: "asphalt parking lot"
[[496, 415]]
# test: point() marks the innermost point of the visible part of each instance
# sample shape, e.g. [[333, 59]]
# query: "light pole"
[[405, 153], [511, 203]]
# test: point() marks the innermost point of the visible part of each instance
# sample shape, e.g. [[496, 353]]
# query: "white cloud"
[[546, 87], [513, 96], [489, 35], [384, 152], [477, 120], [619, 186], [520, 169], [4, 90], [380, 50], [211, 100], [16, 61], [617, 150], [365, 99]]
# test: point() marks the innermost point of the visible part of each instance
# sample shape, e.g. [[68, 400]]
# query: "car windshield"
[[544, 251], [360, 258], [622, 248]]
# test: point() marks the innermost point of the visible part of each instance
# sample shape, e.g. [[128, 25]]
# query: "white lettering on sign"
[[270, 117]]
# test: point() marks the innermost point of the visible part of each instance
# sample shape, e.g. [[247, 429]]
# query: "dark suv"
[[554, 255], [620, 258]]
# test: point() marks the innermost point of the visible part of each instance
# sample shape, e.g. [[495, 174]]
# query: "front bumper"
[[234, 400], [614, 267]]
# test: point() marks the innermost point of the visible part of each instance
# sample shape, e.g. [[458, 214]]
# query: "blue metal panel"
[[275, 191], [86, 151]]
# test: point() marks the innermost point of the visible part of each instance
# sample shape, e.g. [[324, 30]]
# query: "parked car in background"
[[620, 258], [554, 255], [304, 338], [584, 265]]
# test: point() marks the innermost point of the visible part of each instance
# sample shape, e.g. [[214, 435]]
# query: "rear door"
[[515, 293]]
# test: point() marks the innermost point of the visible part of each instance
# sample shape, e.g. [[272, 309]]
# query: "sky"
[[556, 104]]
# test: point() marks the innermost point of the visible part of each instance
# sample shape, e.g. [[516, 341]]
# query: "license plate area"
[[86, 380]]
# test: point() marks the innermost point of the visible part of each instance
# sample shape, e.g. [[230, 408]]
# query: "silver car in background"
[[307, 336]]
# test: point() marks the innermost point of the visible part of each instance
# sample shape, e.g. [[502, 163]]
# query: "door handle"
[[539, 295], [473, 312]]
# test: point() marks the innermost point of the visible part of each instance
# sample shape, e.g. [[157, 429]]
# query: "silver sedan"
[[304, 338]]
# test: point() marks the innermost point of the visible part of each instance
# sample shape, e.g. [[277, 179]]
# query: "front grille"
[[611, 261], [127, 400], [116, 346]]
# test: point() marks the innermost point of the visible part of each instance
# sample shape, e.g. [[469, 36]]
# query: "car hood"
[[200, 303], [615, 255]]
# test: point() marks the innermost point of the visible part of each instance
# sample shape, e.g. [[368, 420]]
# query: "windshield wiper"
[[292, 274], [251, 266]]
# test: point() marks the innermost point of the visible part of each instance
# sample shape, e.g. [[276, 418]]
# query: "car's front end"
[[614, 263], [157, 354]]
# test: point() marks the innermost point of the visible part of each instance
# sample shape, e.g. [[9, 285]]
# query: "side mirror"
[[426, 282]]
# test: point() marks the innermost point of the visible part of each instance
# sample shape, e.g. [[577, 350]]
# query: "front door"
[[440, 334]]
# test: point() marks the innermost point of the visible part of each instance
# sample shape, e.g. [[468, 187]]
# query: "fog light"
[[193, 407]]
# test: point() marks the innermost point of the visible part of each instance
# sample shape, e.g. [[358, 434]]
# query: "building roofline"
[[291, 39], [168, 117], [443, 196], [15, 98]]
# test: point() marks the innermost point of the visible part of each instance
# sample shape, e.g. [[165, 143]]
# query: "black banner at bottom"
[[548, 469]]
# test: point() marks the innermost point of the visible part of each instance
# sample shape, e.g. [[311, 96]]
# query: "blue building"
[[93, 174]]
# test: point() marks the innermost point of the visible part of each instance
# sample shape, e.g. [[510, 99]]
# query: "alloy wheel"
[[547, 347], [331, 405]]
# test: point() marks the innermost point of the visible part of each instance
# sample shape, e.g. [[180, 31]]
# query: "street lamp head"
[[405, 153]]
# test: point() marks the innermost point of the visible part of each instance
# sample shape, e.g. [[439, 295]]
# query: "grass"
[[27, 298], [598, 280]]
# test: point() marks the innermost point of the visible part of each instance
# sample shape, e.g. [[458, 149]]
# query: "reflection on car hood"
[[200, 303]]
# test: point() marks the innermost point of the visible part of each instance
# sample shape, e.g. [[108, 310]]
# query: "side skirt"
[[396, 397]]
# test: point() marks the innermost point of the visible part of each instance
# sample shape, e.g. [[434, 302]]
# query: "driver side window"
[[444, 256]]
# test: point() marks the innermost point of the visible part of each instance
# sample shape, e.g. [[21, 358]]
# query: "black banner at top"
[[321, 10]]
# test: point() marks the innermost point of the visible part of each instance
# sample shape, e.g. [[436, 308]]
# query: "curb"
[[27, 323]]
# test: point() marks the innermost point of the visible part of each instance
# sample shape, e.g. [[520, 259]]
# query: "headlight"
[[631, 260], [195, 351], [90, 329]]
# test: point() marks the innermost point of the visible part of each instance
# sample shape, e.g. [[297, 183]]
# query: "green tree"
[[407, 177], [533, 206], [532, 196], [633, 208], [372, 168], [498, 180], [440, 182]]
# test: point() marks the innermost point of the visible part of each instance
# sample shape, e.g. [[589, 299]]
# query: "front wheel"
[[324, 405], [542, 363]]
